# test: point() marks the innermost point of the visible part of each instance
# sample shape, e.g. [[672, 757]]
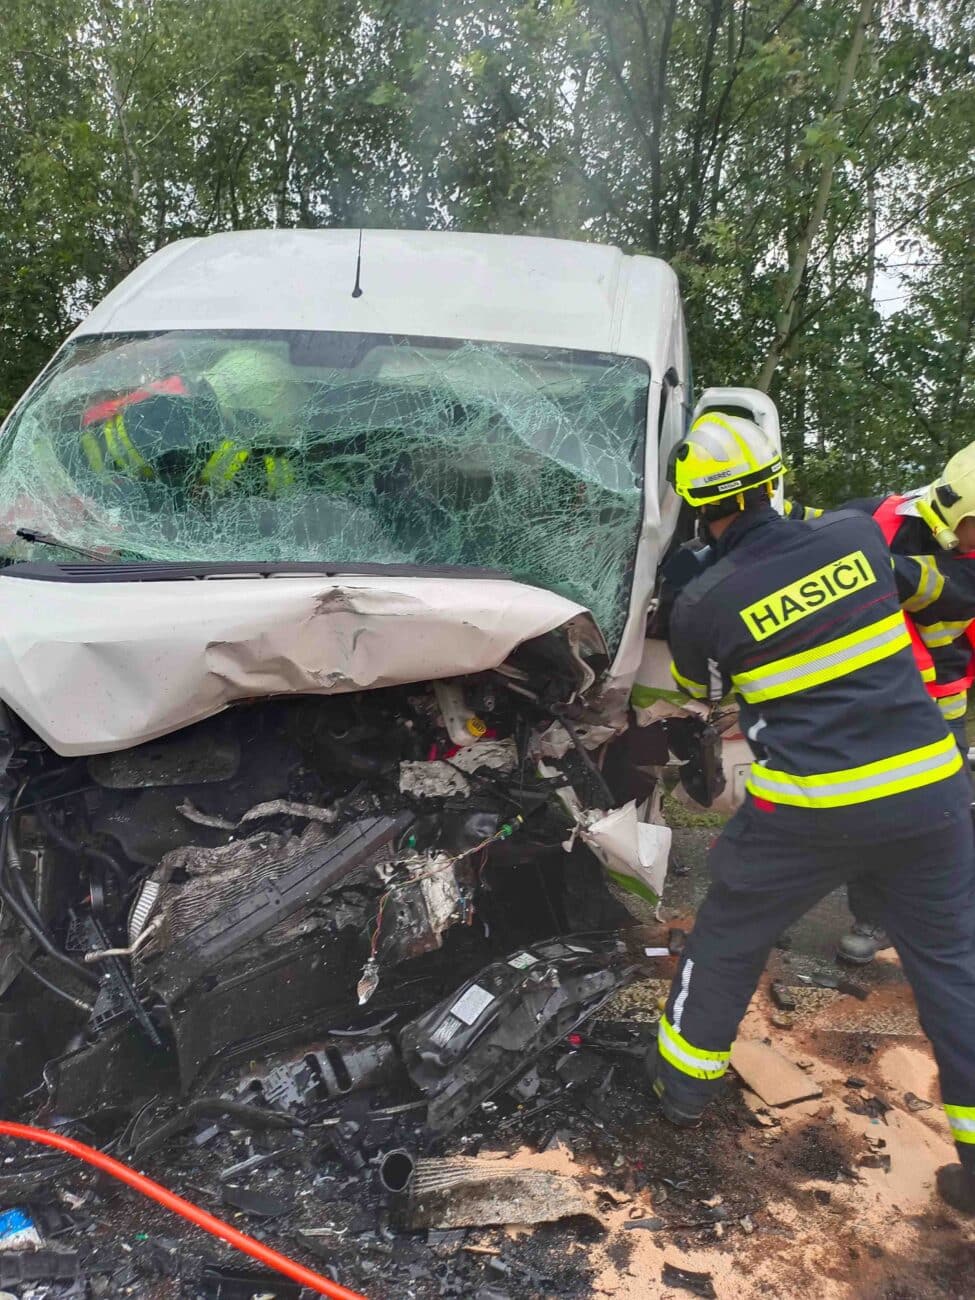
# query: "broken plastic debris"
[[699, 1283], [782, 996], [770, 1074], [871, 1107], [634, 853], [222, 1283], [915, 1103], [459, 1059], [852, 989], [876, 1160], [651, 1225], [18, 1231], [252, 1200]]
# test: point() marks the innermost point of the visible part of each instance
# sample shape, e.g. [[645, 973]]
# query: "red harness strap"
[[173, 387], [889, 522]]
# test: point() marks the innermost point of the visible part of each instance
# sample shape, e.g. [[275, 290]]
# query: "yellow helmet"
[[722, 457], [255, 378], [950, 498]]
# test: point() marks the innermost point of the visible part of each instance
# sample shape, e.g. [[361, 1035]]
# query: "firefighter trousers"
[[860, 897], [763, 881]]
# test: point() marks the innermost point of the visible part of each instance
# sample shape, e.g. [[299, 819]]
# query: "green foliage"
[[697, 130]]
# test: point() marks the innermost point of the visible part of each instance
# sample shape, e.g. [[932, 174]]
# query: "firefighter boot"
[[675, 1114], [863, 943], [956, 1185]]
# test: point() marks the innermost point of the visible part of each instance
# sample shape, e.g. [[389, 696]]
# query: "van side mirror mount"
[[751, 403]]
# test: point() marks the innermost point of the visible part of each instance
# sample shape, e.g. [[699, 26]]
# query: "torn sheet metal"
[[438, 779], [94, 667], [634, 853], [555, 741], [418, 912], [654, 695], [260, 812]]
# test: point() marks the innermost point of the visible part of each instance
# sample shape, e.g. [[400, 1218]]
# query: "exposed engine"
[[216, 893]]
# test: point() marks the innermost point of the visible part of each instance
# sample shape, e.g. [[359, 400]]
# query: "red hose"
[[208, 1222]]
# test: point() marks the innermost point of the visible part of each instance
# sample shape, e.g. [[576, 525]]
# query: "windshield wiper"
[[45, 539]]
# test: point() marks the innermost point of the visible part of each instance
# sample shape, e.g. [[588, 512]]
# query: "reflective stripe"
[[731, 471], [929, 587], [953, 707], [225, 463], [93, 452], [702, 436], [687, 1058], [962, 1122], [746, 451], [121, 448], [685, 987], [642, 697], [935, 635], [695, 689], [793, 510], [907, 771], [824, 663], [280, 473]]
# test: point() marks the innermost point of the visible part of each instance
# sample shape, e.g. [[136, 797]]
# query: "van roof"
[[500, 288]]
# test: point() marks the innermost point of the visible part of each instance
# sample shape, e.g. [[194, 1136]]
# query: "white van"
[[301, 527]]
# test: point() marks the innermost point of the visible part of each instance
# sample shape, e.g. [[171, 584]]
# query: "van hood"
[[97, 665]]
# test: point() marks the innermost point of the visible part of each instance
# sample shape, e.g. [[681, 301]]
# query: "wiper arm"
[[45, 539]]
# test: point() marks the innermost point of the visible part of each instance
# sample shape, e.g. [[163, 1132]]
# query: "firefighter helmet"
[[722, 457], [259, 380], [950, 498]]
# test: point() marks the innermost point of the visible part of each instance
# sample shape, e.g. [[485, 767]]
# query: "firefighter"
[[219, 431], [856, 775], [931, 534]]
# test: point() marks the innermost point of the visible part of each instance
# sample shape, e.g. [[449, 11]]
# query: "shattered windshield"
[[337, 447]]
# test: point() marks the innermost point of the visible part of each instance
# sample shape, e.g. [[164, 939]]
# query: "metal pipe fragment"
[[396, 1171]]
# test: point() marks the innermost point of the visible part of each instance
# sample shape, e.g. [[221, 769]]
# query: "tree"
[[799, 162]]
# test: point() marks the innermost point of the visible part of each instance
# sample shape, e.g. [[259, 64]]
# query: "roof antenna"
[[357, 291]]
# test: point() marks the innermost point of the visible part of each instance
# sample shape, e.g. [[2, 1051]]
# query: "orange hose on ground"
[[208, 1222]]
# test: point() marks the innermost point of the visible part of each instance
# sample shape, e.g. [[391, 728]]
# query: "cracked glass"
[[337, 447]]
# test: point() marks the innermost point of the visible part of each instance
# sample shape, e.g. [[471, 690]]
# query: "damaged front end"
[[310, 645], [254, 879]]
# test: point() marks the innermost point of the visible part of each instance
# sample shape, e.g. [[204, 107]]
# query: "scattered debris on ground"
[[493, 1137], [770, 1075]]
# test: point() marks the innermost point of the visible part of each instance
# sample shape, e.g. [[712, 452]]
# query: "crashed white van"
[[328, 563]]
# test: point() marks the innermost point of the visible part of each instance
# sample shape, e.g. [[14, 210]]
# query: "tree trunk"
[[696, 195], [800, 257], [871, 274], [658, 104]]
